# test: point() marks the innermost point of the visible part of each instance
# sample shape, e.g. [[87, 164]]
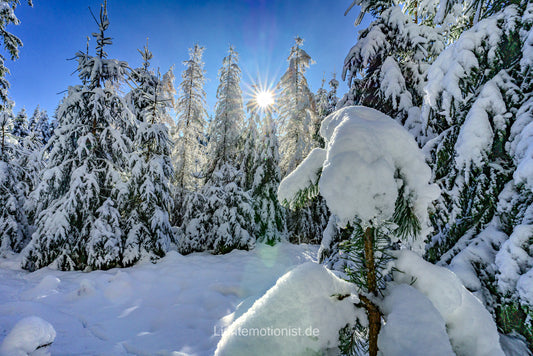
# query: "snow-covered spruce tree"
[[321, 100], [228, 123], [189, 148], [31, 159], [269, 215], [299, 124], [477, 106], [147, 197], [193, 232], [332, 94], [78, 222], [296, 108], [386, 68], [40, 126], [20, 127], [33, 152], [13, 223], [227, 216], [322, 110], [218, 218], [188, 155], [514, 260], [229, 212], [470, 114], [383, 205], [248, 155], [326, 101]]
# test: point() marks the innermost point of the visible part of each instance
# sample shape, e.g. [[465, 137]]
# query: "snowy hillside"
[[180, 304]]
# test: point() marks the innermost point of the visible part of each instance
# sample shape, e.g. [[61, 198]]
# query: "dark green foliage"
[[353, 340], [307, 222], [353, 252], [405, 218], [513, 317]]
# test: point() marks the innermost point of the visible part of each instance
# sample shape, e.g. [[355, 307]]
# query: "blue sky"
[[262, 31]]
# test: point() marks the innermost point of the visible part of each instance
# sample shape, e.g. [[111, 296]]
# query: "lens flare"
[[261, 94], [264, 98]]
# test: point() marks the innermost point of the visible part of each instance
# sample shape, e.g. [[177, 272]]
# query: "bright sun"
[[264, 98]]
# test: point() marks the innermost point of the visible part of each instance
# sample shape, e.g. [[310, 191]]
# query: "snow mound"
[[28, 335], [300, 315], [470, 326], [45, 288], [414, 326]]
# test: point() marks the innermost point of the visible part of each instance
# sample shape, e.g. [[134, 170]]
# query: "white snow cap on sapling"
[[28, 335], [369, 157]]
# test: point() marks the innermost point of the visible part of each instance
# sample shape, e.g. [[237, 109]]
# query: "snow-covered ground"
[[177, 306]]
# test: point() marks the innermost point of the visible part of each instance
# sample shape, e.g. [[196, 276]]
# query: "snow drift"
[[30, 336], [301, 314]]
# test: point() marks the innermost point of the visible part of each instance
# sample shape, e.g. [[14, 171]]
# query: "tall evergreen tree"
[[386, 68], [325, 100], [227, 216], [296, 109], [31, 159], [20, 127], [475, 112], [299, 125], [269, 214], [147, 198], [13, 223], [227, 126], [40, 125], [189, 148], [78, 221], [322, 110], [472, 172], [332, 94], [248, 146], [321, 100]]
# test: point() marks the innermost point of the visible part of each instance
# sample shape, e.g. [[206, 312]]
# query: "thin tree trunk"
[[374, 316], [3, 140]]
